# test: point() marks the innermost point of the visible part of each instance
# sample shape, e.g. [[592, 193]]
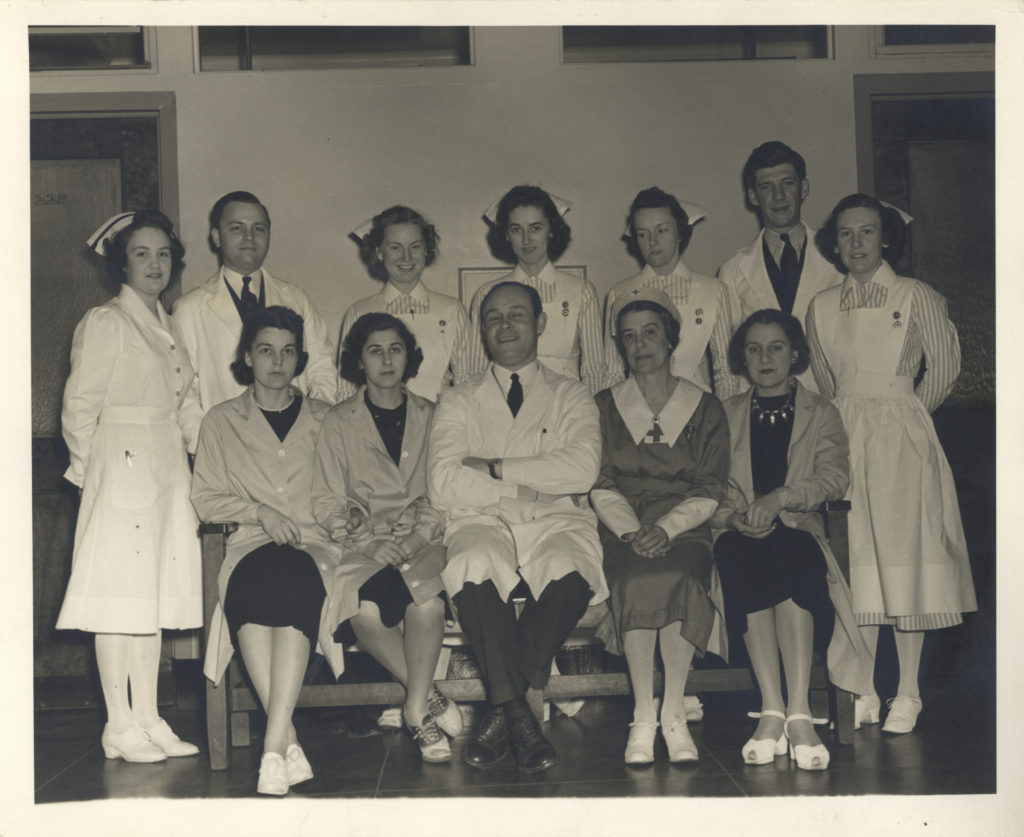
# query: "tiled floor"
[[947, 754]]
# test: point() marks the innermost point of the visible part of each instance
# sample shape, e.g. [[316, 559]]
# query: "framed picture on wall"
[[472, 278]]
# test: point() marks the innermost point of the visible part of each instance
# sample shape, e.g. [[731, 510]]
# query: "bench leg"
[[240, 729], [218, 733], [844, 716]]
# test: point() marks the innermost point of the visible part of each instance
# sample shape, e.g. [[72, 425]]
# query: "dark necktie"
[[515, 395], [248, 298], [789, 264]]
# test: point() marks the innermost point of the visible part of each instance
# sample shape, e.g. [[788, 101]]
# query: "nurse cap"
[[107, 230], [561, 204], [906, 216], [693, 214], [645, 294]]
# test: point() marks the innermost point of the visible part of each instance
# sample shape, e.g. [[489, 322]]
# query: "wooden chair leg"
[[218, 732], [240, 736], [844, 716]]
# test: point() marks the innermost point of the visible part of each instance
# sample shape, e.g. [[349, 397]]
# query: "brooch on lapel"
[[689, 432], [896, 318], [565, 308], [700, 314]]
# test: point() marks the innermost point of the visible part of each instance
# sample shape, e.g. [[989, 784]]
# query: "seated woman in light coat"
[[781, 584], [370, 494], [254, 466]]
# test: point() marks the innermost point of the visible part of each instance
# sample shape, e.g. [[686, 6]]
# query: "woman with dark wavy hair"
[[399, 244], [908, 555], [254, 466], [129, 408], [527, 229], [781, 583], [370, 494]]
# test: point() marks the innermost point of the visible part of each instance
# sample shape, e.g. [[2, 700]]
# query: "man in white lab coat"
[[210, 316], [781, 268], [513, 452]]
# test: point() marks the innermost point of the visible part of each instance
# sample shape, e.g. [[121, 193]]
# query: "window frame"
[[149, 47], [352, 63]]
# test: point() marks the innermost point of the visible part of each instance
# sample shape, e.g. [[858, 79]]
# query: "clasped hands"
[[758, 521], [648, 541], [392, 553]]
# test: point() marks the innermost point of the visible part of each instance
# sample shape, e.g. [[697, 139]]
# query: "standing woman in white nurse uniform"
[[396, 248], [908, 556], [528, 230], [658, 231], [128, 411]]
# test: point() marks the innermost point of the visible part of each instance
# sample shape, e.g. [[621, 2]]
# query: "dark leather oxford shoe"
[[533, 751], [489, 745]]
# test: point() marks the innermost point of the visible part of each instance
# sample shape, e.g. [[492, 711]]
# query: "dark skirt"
[[651, 593], [757, 574], [275, 586], [388, 590]]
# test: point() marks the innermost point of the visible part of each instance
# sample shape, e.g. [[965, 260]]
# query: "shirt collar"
[[234, 279], [390, 292], [504, 376], [797, 235], [649, 276]]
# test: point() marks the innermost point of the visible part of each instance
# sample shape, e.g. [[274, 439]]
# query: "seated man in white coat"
[[210, 316], [781, 268], [513, 452]]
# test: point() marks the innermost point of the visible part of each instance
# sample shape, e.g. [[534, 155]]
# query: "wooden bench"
[[228, 704]]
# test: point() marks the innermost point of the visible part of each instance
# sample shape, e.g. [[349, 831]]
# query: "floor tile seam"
[[66, 768], [727, 772]]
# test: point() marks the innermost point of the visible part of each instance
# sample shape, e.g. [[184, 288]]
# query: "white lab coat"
[[211, 327], [241, 465], [750, 288], [553, 447], [126, 416]]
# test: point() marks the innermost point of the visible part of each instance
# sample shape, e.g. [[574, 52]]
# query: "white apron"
[[436, 337], [697, 319], [136, 562], [561, 332], [908, 554]]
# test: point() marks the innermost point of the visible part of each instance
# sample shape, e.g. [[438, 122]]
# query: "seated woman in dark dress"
[[664, 466], [789, 453], [370, 494], [254, 466]]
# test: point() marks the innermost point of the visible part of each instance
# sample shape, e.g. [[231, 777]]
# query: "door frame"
[[161, 105], [876, 87]]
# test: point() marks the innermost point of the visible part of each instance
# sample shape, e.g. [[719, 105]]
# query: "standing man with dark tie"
[[513, 452], [210, 316], [782, 268]]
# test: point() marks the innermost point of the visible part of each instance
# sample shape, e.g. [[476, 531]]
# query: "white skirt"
[[136, 566], [908, 555]]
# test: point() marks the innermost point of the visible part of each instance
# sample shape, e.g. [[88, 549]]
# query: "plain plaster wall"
[[328, 149]]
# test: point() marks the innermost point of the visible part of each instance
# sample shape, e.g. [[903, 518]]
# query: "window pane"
[[86, 48], [692, 43], [936, 35], [316, 47]]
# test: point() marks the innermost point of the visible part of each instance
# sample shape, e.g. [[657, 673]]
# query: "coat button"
[[172, 347], [280, 452], [178, 369], [415, 584], [280, 490], [405, 568], [323, 566]]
